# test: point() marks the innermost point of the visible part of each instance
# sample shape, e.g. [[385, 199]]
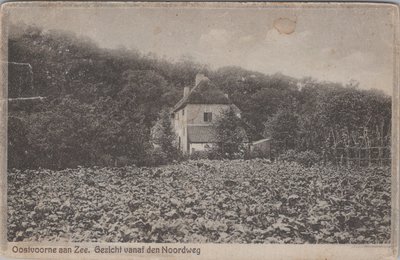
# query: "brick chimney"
[[199, 78], [186, 91]]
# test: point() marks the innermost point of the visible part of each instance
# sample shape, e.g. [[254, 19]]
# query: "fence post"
[[342, 156]]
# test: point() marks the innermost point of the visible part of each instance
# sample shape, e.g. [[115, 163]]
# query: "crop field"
[[203, 201]]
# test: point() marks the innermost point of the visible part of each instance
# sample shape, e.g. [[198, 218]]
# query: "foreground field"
[[201, 201]]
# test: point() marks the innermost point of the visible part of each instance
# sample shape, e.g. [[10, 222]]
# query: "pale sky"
[[330, 44]]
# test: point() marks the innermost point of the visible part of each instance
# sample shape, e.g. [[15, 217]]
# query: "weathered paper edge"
[[214, 251]]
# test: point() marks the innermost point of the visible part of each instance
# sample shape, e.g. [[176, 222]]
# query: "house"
[[193, 116]]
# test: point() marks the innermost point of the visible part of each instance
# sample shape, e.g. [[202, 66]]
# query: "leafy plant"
[[202, 201], [304, 158]]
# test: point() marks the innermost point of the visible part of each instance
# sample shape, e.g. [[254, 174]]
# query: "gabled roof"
[[204, 93], [201, 134]]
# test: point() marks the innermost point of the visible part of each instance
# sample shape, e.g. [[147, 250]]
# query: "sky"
[[336, 43]]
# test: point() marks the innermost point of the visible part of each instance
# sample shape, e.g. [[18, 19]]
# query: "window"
[[183, 112], [207, 116]]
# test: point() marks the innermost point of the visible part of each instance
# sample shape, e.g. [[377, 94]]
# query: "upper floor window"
[[183, 112], [207, 116]]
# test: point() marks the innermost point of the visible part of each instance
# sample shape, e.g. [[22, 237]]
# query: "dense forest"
[[99, 105]]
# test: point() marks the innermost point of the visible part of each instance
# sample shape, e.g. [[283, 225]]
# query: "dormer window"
[[207, 116]]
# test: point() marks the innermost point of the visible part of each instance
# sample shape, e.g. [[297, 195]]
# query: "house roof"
[[201, 134], [204, 93]]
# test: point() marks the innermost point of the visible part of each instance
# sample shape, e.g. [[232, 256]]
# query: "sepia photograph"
[[199, 124]]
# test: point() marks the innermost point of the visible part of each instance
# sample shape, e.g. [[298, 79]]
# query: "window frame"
[[207, 117]]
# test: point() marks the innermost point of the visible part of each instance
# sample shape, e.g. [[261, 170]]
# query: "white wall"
[[194, 115]]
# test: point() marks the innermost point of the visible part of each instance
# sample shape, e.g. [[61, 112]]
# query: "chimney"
[[186, 91], [199, 78]]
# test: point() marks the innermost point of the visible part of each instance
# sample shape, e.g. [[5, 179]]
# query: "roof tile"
[[204, 93]]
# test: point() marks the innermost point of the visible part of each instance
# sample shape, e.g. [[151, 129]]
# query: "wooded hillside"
[[100, 104]]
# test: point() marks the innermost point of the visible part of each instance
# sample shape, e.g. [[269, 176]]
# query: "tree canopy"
[[100, 104]]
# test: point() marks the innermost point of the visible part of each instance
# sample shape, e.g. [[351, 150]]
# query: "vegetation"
[[105, 119], [304, 158], [230, 201], [164, 140], [230, 134], [100, 105]]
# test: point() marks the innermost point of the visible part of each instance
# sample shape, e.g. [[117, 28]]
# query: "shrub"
[[289, 156], [308, 158], [305, 158], [199, 155], [153, 157], [210, 154], [256, 153]]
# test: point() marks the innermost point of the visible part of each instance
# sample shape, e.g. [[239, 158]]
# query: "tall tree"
[[230, 133], [164, 137]]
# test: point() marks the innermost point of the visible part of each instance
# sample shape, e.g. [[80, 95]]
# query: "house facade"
[[193, 116]]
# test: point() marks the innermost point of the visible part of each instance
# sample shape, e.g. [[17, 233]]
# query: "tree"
[[164, 138], [283, 126], [90, 117], [63, 136], [230, 134], [18, 148]]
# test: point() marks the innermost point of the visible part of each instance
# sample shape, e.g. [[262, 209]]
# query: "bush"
[[19, 150], [289, 156], [308, 158], [210, 154], [155, 157], [305, 158], [256, 153], [199, 155]]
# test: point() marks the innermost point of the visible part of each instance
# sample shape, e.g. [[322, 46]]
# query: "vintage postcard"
[[193, 130]]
